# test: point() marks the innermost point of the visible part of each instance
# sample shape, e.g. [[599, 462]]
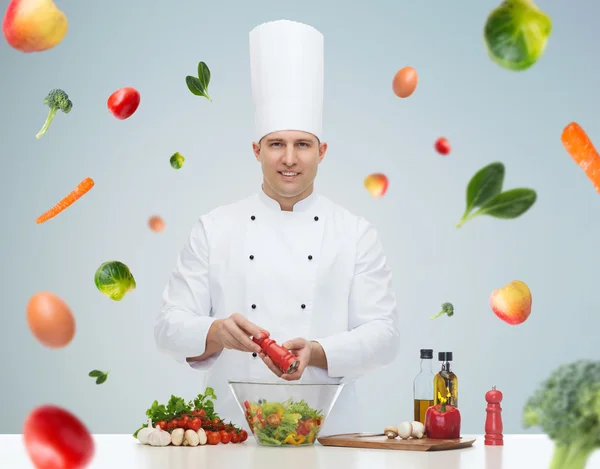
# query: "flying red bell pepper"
[[442, 422]]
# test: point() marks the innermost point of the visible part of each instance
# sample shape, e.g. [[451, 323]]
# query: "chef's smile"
[[288, 175]]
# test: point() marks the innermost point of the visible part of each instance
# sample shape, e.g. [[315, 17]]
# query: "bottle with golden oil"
[[423, 386], [445, 381]]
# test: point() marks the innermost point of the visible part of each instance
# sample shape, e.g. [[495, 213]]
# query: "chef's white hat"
[[286, 68]]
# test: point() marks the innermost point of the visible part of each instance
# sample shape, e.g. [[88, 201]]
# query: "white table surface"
[[123, 451]]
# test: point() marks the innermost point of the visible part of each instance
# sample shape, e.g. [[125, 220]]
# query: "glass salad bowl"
[[285, 414]]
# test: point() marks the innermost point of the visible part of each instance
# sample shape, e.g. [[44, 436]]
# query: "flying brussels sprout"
[[114, 279], [516, 34]]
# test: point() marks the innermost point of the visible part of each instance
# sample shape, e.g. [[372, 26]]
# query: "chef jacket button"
[[303, 306], [254, 354], [251, 256], [310, 258], [252, 217], [316, 218], [253, 306]]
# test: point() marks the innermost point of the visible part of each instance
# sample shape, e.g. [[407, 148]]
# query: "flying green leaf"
[[195, 85], [510, 204], [486, 183], [100, 376], [101, 379], [199, 85], [204, 75]]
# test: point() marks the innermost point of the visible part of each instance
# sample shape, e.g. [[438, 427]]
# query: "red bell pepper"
[[442, 422]]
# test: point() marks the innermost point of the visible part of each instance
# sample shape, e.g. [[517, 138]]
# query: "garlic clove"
[[142, 435]]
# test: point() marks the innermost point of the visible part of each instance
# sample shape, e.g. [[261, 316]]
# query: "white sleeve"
[[182, 326], [372, 338]]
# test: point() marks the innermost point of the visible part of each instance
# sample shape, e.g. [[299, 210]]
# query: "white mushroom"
[[391, 432], [202, 436], [192, 437], [405, 430], [177, 436], [418, 430]]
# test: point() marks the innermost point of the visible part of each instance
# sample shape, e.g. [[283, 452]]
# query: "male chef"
[[285, 260]]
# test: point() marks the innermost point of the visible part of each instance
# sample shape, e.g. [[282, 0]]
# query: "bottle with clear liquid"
[[446, 381], [423, 386]]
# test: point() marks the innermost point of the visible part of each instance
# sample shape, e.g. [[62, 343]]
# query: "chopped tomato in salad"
[[283, 423]]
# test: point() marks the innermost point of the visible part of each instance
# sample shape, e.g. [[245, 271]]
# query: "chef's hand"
[[301, 349], [234, 333]]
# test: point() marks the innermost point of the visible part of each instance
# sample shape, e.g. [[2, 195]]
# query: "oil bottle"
[[445, 380], [423, 386]]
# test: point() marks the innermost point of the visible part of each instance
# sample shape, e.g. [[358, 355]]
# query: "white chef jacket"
[[318, 272]]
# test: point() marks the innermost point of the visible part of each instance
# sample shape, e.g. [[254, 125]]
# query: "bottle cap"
[[445, 356], [426, 353]]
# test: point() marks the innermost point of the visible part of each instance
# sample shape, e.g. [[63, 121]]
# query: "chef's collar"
[[300, 206]]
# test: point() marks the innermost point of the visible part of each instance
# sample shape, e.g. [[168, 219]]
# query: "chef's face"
[[289, 161]]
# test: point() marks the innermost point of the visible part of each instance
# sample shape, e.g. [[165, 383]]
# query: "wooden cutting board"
[[378, 441]]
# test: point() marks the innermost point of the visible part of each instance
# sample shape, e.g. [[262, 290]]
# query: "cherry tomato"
[[195, 424], [216, 421], [162, 424], [243, 435], [235, 437], [213, 438], [54, 437], [184, 422], [124, 102], [172, 424], [225, 437], [442, 146], [201, 413]]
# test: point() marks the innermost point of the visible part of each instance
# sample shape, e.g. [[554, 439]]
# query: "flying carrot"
[[582, 151], [82, 189]]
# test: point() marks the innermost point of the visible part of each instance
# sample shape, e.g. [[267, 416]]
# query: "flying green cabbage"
[[516, 34], [114, 279]]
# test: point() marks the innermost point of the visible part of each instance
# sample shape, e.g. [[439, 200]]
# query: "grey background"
[[487, 113]]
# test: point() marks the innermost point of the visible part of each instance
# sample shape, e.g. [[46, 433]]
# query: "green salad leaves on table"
[[283, 423], [194, 415]]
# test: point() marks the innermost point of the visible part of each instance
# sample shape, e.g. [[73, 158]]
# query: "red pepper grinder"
[[493, 421], [282, 358]]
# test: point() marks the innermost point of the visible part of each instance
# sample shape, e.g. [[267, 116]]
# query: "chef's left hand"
[[301, 349]]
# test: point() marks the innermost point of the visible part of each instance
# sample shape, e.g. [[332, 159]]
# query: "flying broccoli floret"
[[567, 408], [447, 308], [56, 99]]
